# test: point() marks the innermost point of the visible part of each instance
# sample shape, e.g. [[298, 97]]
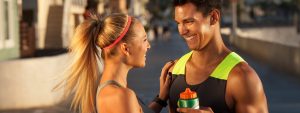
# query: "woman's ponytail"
[[83, 75]]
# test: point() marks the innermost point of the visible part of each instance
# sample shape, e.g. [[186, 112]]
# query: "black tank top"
[[211, 92]]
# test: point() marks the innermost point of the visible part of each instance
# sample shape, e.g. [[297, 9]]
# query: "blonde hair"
[[83, 75]]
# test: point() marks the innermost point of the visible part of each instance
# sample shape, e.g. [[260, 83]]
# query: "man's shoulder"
[[245, 88], [243, 80], [242, 72]]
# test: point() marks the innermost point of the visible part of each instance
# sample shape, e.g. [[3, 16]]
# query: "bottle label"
[[191, 103]]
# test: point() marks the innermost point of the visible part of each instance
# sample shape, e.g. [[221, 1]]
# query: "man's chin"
[[191, 46], [140, 66]]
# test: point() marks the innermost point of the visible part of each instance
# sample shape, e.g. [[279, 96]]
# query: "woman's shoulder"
[[124, 98], [115, 93], [126, 93]]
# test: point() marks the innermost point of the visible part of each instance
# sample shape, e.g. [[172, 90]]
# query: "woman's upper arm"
[[123, 100], [128, 102]]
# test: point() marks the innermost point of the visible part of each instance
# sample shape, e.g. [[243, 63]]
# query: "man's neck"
[[212, 53]]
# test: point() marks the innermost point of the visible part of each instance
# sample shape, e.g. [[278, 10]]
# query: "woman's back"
[[113, 98]]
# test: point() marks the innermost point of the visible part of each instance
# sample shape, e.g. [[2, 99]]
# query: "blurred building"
[[36, 24], [9, 29], [27, 26], [31, 25]]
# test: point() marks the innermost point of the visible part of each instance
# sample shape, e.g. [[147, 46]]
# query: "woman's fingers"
[[165, 69], [165, 81]]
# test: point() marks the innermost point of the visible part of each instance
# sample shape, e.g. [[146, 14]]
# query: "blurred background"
[[35, 34]]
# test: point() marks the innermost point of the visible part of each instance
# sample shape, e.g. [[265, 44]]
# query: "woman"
[[123, 42]]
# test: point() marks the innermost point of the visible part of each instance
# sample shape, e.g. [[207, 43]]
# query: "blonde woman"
[[123, 42]]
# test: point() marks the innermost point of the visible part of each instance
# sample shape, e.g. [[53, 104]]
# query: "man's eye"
[[190, 21]]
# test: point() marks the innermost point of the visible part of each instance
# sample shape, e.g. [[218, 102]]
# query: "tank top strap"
[[224, 68], [220, 72], [179, 67], [101, 86]]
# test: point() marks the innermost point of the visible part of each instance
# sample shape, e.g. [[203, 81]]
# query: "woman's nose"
[[149, 46]]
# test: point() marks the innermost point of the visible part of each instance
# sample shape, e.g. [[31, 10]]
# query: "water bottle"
[[188, 99]]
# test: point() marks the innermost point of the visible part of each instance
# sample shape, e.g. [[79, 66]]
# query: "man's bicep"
[[248, 92], [250, 108], [251, 103]]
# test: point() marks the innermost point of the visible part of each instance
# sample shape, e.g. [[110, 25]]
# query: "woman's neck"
[[116, 71]]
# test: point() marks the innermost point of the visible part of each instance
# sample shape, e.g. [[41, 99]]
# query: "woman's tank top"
[[101, 86]]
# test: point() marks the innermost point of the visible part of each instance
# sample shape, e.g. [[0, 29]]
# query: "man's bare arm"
[[246, 90]]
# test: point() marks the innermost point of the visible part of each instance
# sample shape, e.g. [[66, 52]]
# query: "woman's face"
[[138, 46]]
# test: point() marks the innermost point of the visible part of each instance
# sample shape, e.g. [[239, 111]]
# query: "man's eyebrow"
[[188, 19]]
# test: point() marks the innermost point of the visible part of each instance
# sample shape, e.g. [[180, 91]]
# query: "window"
[[8, 24], [6, 20]]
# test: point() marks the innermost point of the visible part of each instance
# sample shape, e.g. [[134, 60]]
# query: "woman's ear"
[[125, 48]]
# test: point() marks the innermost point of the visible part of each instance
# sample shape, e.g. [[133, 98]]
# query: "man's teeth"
[[190, 37]]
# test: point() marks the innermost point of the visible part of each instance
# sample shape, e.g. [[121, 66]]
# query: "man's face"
[[193, 26]]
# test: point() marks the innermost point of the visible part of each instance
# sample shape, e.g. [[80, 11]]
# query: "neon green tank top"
[[221, 71]]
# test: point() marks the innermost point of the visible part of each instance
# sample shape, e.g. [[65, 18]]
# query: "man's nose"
[[182, 29]]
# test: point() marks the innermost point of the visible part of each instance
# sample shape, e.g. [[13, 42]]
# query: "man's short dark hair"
[[204, 6]]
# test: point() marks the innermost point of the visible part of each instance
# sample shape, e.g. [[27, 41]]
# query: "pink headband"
[[122, 34]]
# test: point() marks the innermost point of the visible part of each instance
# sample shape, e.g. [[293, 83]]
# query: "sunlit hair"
[[83, 76], [204, 6]]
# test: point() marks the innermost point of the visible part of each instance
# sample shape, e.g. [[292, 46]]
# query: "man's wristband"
[[160, 101]]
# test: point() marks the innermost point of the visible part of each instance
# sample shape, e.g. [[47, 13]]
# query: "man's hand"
[[189, 110]]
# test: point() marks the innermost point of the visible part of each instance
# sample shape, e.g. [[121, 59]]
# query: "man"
[[224, 82]]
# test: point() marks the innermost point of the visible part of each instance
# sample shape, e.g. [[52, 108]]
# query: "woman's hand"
[[165, 80], [189, 110]]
